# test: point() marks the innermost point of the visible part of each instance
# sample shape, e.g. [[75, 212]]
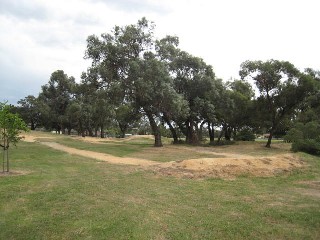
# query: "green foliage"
[[311, 146], [31, 110], [283, 88], [245, 134], [305, 137], [293, 135], [10, 127], [134, 75], [56, 95]]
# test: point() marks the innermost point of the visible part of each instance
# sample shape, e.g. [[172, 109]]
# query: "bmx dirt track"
[[228, 166]]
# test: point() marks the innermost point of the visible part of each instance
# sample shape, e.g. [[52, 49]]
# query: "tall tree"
[[30, 110], [193, 79], [57, 94], [234, 107], [282, 89], [130, 71]]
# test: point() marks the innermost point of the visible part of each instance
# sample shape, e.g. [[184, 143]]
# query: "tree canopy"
[[135, 78]]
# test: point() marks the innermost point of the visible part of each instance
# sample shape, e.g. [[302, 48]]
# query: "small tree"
[[10, 127]]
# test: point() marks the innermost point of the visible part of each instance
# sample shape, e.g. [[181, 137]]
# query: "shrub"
[[311, 146], [293, 135], [245, 134], [305, 138]]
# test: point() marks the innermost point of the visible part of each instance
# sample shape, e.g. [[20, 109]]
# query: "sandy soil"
[[103, 140], [101, 156], [228, 166]]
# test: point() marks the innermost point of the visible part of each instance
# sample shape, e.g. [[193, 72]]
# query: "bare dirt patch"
[[30, 138], [14, 173], [104, 140], [312, 190], [100, 156]]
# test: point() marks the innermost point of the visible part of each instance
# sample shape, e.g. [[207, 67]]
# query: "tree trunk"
[[123, 129], [200, 135], [63, 130], [5, 163], [81, 129], [7, 158], [227, 133], [155, 130], [32, 125], [3, 160], [220, 135], [191, 137], [268, 145], [102, 131], [90, 132], [211, 133], [172, 129]]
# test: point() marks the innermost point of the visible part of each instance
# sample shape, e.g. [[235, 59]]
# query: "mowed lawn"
[[63, 196]]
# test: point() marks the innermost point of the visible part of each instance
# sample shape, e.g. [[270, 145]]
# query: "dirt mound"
[[231, 167]]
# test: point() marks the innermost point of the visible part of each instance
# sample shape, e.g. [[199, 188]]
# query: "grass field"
[[63, 196]]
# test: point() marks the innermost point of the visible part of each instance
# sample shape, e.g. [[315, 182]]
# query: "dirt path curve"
[[101, 156], [227, 166]]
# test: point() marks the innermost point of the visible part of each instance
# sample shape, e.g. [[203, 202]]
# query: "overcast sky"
[[38, 37]]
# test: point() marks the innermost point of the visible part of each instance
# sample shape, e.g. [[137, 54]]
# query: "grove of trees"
[[137, 80]]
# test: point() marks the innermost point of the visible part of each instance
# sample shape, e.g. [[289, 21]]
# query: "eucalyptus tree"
[[177, 107], [193, 79], [154, 92], [30, 109], [282, 89], [57, 94], [94, 105], [130, 71], [310, 110], [233, 110], [75, 116]]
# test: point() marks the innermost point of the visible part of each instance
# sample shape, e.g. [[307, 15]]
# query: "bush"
[[245, 134], [305, 138], [311, 146], [293, 135]]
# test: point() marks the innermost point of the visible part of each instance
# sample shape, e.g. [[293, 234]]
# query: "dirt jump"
[[228, 166]]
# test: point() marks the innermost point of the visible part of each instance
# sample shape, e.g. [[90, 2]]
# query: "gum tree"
[[282, 89], [129, 69]]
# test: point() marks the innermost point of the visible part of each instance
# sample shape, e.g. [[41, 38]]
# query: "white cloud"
[[38, 37]]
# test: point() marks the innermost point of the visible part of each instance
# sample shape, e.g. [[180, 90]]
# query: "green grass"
[[63, 196]]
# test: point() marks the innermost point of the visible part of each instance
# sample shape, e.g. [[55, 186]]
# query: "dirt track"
[[101, 156], [229, 166]]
